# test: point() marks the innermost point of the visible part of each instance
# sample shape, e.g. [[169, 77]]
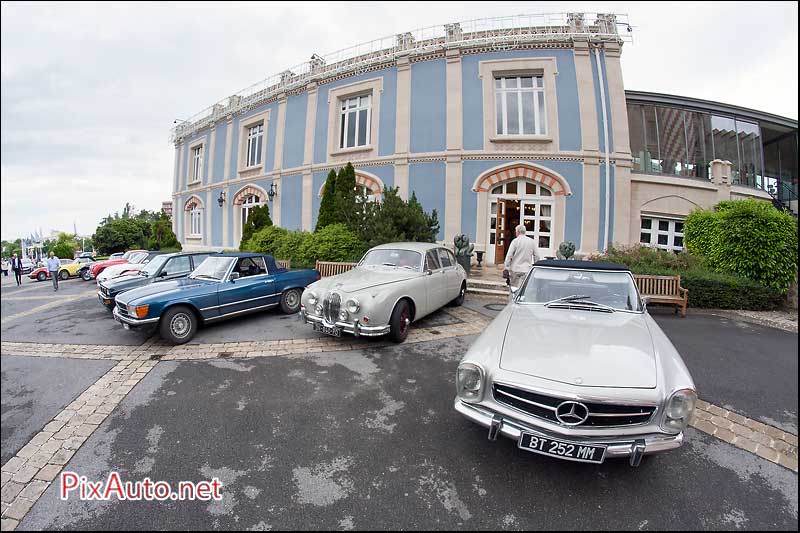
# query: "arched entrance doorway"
[[521, 193], [244, 200]]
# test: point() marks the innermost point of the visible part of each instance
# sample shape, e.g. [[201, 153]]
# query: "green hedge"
[[707, 289], [331, 243], [748, 238]]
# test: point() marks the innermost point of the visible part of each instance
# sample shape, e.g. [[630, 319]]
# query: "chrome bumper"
[[105, 300], [628, 446], [134, 321], [353, 328]]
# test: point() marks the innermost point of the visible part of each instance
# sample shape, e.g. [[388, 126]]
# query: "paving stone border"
[[768, 442]]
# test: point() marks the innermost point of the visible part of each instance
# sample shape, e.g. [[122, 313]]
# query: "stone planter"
[[465, 261]]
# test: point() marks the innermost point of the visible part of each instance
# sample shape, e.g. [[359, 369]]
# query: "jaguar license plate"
[[328, 330], [572, 451]]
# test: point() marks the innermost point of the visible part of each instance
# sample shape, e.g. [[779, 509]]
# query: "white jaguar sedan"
[[575, 368]]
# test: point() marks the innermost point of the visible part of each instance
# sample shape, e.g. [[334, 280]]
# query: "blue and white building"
[[491, 122]]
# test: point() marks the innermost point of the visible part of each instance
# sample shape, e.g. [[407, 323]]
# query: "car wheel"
[[86, 275], [400, 322], [461, 294], [63, 275], [41, 276], [290, 301], [178, 325]]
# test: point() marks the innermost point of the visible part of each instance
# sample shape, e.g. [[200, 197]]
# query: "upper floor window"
[[195, 219], [197, 163], [662, 233], [354, 121], [520, 105], [255, 138]]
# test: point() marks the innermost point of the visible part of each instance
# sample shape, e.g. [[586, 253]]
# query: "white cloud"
[[89, 91]]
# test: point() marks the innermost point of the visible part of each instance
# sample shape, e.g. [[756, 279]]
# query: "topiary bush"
[[748, 238]]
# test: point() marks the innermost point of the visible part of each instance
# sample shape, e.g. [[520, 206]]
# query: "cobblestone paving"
[[30, 472]]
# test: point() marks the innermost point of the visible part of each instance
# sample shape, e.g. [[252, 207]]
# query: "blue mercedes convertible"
[[223, 286]]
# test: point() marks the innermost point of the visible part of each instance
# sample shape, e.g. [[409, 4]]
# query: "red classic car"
[[102, 265]]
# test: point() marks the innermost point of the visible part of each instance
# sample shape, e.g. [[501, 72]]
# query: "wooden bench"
[[284, 263], [663, 290], [330, 268]]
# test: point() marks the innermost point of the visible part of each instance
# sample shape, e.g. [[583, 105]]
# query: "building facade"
[[492, 123]]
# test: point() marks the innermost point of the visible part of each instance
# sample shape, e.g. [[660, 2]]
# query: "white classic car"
[[575, 368], [392, 286], [136, 263]]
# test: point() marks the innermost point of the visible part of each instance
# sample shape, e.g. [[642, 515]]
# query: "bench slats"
[[332, 268], [663, 289]]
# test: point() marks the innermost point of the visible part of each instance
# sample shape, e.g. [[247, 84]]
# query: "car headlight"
[[353, 305], [139, 311], [679, 409], [312, 299], [469, 382], [343, 315]]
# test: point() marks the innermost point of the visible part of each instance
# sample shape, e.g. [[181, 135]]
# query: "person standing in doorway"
[[16, 266], [53, 264], [521, 256]]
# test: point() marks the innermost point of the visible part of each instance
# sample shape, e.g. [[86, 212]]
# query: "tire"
[[459, 300], [178, 325], [400, 322], [86, 275], [41, 276], [290, 301], [63, 275]]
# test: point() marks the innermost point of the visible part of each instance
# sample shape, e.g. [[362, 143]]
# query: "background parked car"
[[164, 267], [116, 255], [223, 286], [135, 263], [68, 268], [99, 266], [27, 265]]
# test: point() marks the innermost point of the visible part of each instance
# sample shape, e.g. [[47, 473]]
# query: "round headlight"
[[343, 315], [352, 305], [312, 298], [679, 409], [469, 381]]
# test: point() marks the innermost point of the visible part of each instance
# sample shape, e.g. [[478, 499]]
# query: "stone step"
[[487, 292], [487, 284]]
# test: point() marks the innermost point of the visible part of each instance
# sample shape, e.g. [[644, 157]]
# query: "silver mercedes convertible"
[[392, 286], [575, 368]]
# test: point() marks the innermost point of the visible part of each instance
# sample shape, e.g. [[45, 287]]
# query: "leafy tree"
[[161, 234], [63, 250], [257, 218], [394, 219], [118, 235], [327, 206], [346, 195]]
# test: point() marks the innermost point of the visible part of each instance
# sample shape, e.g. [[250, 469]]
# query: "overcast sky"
[[90, 91]]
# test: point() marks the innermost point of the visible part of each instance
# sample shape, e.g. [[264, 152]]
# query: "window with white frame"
[[197, 163], [354, 121], [195, 219], [662, 233], [255, 139], [519, 105], [249, 203]]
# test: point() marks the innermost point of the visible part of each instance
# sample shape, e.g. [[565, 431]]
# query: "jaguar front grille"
[[330, 307], [545, 406]]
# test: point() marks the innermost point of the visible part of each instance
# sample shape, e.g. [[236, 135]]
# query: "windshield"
[[136, 258], [212, 268], [393, 258], [612, 289], [154, 264]]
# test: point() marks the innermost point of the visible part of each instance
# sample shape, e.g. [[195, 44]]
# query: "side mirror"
[[428, 272], [514, 291], [233, 277], [163, 274]]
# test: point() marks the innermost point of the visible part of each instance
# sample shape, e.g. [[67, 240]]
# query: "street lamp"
[[221, 199], [273, 190]]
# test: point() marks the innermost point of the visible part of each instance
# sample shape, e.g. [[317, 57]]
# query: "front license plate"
[[563, 450], [328, 330]]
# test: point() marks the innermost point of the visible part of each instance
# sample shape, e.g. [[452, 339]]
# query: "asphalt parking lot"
[[368, 438]]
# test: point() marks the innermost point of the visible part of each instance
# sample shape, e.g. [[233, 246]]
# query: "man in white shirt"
[[521, 256], [53, 264]]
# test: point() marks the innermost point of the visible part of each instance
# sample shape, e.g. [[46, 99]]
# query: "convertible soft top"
[[581, 265], [272, 266]]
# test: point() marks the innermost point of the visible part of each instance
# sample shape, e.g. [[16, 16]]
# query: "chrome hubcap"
[[180, 325], [292, 299]]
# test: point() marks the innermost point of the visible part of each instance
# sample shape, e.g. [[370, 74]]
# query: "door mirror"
[[428, 272], [645, 301], [514, 291], [233, 277], [163, 274]]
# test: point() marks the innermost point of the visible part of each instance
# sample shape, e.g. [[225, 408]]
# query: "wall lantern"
[[273, 190], [221, 199]]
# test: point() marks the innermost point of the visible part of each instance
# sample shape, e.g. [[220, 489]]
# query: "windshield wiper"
[[388, 264], [580, 300]]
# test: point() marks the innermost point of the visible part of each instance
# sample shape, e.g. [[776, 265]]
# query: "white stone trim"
[[190, 167], [372, 87], [244, 125]]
